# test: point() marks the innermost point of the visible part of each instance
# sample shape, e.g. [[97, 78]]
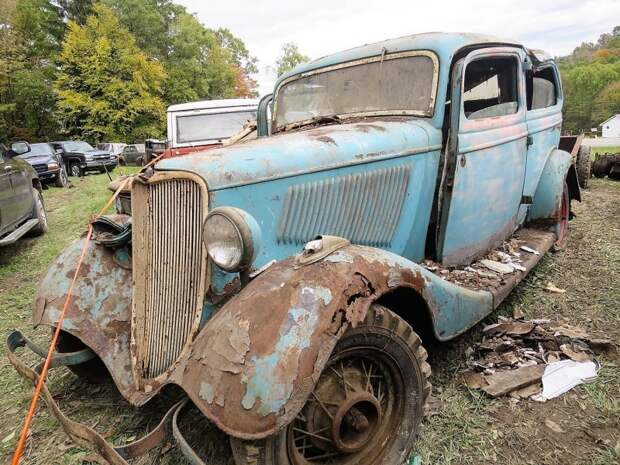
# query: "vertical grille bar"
[[169, 269]]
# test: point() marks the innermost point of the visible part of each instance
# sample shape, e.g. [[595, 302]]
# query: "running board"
[[19, 232], [539, 240]]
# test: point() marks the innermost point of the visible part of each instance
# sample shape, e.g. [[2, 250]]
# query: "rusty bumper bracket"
[[81, 434]]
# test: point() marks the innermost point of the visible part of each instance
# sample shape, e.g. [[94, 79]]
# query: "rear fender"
[[253, 366], [548, 197]]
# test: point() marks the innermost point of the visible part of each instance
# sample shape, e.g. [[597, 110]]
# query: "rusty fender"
[[100, 311], [548, 197], [253, 366]]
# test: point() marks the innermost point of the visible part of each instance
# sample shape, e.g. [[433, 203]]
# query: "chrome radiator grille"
[[169, 268]]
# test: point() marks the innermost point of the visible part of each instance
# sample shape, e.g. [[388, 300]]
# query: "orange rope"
[[19, 450]]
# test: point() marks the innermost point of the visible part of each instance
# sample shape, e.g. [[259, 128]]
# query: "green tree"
[[291, 57], [107, 88], [607, 103]]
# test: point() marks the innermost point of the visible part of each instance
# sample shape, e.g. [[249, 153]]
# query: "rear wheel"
[[561, 228], [366, 407], [583, 166]]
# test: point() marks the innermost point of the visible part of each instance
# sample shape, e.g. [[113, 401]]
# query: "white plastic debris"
[[561, 377], [529, 249], [498, 267]]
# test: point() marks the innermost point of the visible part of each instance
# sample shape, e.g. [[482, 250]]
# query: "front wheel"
[[76, 170], [61, 179], [39, 213], [366, 407]]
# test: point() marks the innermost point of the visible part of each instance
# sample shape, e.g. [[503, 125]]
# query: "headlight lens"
[[231, 236], [52, 166], [224, 242]]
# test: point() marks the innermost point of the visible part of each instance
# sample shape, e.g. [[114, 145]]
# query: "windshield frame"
[[429, 113]]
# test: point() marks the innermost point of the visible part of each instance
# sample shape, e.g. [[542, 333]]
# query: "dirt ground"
[[466, 428]]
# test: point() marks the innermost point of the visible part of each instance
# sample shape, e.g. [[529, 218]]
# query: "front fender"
[[548, 196], [253, 366], [100, 310]]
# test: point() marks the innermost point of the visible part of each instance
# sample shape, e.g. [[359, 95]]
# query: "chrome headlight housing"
[[232, 237]]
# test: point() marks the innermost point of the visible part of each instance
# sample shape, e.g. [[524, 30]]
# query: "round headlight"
[[230, 237]]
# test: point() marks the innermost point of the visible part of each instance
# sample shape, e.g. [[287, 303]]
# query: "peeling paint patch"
[[207, 392], [270, 381]]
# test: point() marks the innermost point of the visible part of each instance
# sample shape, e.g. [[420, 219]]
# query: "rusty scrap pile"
[[490, 271], [515, 355], [606, 165]]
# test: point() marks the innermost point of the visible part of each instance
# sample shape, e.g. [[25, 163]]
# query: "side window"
[[542, 89], [491, 88]]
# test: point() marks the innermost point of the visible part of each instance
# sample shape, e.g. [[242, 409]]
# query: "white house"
[[611, 127]]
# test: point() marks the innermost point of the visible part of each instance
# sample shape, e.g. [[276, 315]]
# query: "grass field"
[[596, 150], [467, 429]]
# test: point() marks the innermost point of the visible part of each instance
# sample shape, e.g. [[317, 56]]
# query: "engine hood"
[[40, 159], [317, 149]]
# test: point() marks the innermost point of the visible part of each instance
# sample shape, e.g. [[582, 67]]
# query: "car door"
[[8, 214], [544, 123], [483, 182], [21, 180]]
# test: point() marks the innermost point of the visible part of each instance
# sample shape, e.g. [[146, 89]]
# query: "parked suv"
[[22, 210], [47, 163], [80, 157], [284, 283]]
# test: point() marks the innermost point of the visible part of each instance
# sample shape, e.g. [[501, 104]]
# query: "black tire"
[[386, 342], [38, 211], [62, 180], [583, 166], [75, 170], [93, 371]]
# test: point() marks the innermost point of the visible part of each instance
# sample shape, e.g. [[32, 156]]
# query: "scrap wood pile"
[[489, 272], [532, 359]]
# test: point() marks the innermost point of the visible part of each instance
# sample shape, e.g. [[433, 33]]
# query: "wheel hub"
[[355, 422]]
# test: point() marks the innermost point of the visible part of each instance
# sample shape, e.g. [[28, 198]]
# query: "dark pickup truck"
[[80, 157], [21, 203], [47, 163]]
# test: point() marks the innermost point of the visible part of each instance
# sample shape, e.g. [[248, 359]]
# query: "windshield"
[[390, 85], [77, 146], [37, 150], [210, 126]]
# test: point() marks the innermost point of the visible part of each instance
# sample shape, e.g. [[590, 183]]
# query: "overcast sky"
[[322, 27]]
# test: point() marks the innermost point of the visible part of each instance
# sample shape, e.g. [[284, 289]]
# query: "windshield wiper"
[[318, 120]]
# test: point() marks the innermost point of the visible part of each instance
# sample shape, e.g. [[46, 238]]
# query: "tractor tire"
[[372, 395]]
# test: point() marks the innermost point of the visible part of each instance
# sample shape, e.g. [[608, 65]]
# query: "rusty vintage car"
[[291, 303]]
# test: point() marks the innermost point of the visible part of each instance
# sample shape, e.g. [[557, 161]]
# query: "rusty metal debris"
[[515, 355]]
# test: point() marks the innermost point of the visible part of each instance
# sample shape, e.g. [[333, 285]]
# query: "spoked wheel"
[[365, 408], [561, 227]]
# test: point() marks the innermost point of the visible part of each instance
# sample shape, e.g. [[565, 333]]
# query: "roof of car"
[[223, 103], [440, 42]]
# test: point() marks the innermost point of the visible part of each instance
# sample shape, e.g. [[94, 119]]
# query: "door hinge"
[[530, 141], [527, 200]]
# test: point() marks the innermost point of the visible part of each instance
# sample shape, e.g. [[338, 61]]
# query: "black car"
[[21, 202], [47, 163], [80, 157]]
